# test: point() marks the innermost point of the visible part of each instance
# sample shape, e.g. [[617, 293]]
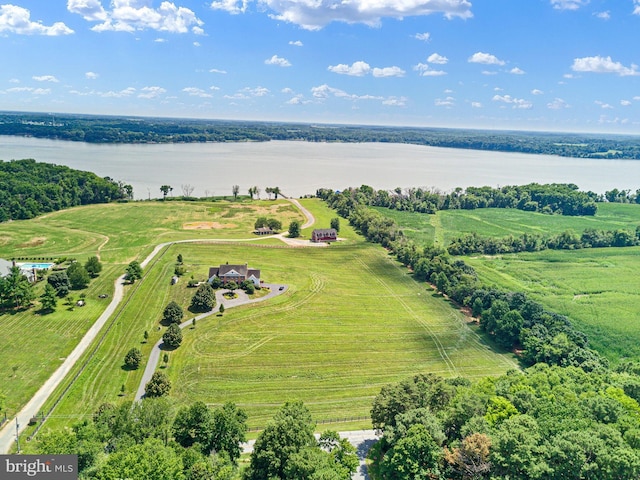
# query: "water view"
[[300, 168]]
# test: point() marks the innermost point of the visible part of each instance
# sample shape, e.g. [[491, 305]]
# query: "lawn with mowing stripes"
[[352, 321]]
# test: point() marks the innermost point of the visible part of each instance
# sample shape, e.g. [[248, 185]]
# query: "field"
[[596, 288], [34, 345], [352, 320]]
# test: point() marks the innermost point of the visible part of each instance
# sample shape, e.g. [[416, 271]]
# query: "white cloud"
[[636, 98], [603, 15], [215, 70], [14, 80], [196, 92], [600, 64], [122, 93], [255, 92], [276, 60], [476, 104], [151, 92], [296, 43], [197, 44], [425, 70], [91, 75], [557, 104], [14, 19], [33, 91], [514, 102], [625, 103], [437, 59], [213, 87], [425, 37], [313, 15], [535, 91], [388, 72], [517, 71], [636, 8], [447, 102], [323, 92], [231, 6], [132, 15], [604, 105], [568, 75], [395, 101], [568, 4], [45, 78], [489, 72], [160, 40], [357, 69], [485, 59]]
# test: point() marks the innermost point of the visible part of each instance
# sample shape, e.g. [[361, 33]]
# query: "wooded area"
[[94, 129]]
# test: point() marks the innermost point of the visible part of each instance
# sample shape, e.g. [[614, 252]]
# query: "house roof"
[[231, 270], [5, 267], [325, 231]]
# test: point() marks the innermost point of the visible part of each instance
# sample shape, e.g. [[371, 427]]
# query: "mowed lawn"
[[352, 321], [33, 345]]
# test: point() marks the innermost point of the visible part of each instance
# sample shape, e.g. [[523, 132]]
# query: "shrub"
[[133, 358]]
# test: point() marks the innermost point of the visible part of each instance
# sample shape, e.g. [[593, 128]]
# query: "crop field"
[[445, 225], [351, 321], [595, 288], [34, 345]]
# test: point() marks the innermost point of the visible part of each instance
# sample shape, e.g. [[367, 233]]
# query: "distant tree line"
[[29, 188], [93, 129], [511, 318], [555, 198], [471, 243]]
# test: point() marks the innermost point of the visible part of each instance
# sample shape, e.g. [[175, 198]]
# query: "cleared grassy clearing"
[[596, 288], [37, 344], [352, 321]]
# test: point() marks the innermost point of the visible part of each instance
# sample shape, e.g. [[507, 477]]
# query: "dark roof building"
[[324, 235], [235, 273]]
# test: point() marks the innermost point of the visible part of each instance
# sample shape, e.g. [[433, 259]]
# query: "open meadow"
[[595, 288], [352, 320], [34, 345]]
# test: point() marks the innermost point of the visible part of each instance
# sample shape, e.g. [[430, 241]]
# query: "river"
[[300, 168]]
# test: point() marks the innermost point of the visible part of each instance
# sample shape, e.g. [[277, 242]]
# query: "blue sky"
[[556, 65]]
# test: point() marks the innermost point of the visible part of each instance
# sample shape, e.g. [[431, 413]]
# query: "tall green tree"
[[48, 299], [229, 430], [165, 189], [172, 338], [158, 386], [93, 266], [335, 224], [290, 431], [151, 460], [78, 276], [294, 229], [60, 282], [235, 190], [172, 313], [204, 299], [133, 358], [133, 272], [15, 289]]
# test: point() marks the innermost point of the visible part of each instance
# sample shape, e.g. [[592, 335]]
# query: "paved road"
[[243, 299], [361, 439], [33, 407]]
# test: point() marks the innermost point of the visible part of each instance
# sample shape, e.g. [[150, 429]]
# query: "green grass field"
[[596, 288], [34, 345], [352, 321]]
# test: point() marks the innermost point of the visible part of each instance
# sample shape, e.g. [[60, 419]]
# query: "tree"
[[133, 272], [187, 190], [294, 229], [274, 224], [269, 191], [204, 299], [194, 424], [229, 430], [276, 191], [260, 222], [15, 289], [415, 456], [165, 359], [179, 258], [145, 336], [335, 224], [132, 359], [221, 309], [172, 313], [93, 266], [48, 299], [251, 192], [158, 386], [165, 189], [172, 338], [78, 276], [60, 282], [471, 459], [235, 190], [290, 431]]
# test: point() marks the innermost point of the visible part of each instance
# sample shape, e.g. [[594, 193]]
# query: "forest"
[[29, 188], [105, 129]]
